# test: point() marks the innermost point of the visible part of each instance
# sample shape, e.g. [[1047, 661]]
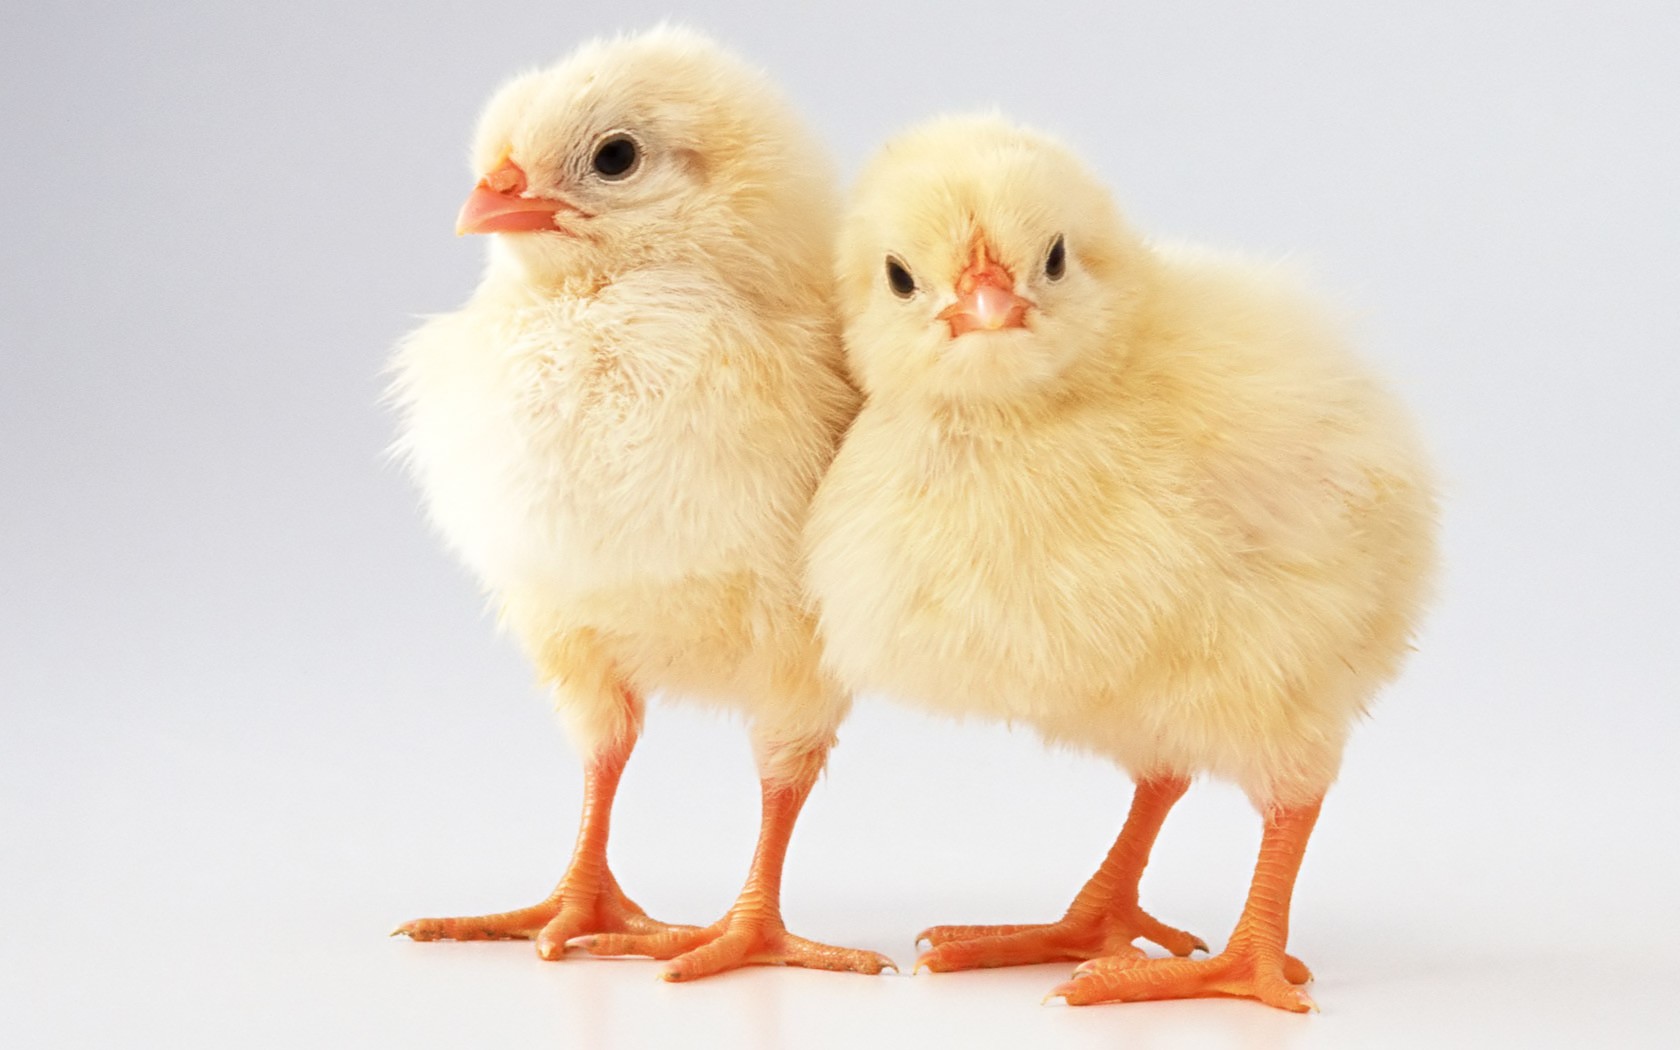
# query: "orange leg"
[[1252, 966], [1103, 920], [751, 932], [587, 899]]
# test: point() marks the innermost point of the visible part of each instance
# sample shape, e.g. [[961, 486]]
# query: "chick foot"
[[1237, 972], [1075, 937], [1252, 966], [1103, 919], [741, 938], [751, 932], [587, 900], [572, 910]]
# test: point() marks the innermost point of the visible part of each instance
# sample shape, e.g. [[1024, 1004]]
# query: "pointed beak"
[[986, 299], [500, 203]]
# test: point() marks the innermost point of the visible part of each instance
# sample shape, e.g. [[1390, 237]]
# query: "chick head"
[[980, 260], [644, 148]]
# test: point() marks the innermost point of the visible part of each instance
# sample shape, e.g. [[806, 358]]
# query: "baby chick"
[[1139, 498], [620, 433]]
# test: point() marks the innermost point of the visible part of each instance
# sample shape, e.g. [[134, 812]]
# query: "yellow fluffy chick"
[[1140, 498], [620, 433]]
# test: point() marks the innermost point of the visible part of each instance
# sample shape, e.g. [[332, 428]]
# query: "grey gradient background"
[[253, 716]]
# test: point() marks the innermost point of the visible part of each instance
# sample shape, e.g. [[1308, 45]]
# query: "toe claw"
[[419, 930]]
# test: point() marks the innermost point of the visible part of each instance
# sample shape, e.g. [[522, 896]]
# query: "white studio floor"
[[188, 889]]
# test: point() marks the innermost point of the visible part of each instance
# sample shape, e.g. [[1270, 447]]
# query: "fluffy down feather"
[[620, 433], [1140, 498], [1172, 520], [621, 430]]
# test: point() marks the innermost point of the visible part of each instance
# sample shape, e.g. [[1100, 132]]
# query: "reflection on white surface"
[[206, 903]]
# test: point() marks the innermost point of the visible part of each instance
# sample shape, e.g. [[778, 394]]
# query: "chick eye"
[[616, 157], [899, 279], [1055, 264]]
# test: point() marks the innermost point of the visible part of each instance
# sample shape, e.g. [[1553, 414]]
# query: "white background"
[[253, 716]]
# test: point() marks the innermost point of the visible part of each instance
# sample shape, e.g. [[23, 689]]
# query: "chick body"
[[1204, 556], [633, 467], [621, 430], [1168, 517]]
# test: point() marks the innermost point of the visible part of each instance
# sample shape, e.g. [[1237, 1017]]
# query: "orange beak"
[[500, 204], [986, 299]]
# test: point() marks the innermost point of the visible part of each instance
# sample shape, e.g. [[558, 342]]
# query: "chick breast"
[[639, 463]]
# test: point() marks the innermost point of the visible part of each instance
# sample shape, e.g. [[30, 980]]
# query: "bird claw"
[[1071, 938], [732, 942], [1237, 974], [582, 911]]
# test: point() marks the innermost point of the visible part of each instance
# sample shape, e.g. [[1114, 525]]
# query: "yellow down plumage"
[[620, 433], [1173, 520], [1142, 499]]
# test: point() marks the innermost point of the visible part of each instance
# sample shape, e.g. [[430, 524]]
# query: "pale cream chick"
[[620, 433], [1142, 499]]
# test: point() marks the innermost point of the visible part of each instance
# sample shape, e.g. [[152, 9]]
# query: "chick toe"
[[1241, 974]]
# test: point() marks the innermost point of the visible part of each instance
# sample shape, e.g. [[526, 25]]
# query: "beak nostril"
[[986, 297], [507, 178], [504, 176], [502, 204]]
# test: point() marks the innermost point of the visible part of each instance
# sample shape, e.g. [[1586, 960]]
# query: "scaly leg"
[[587, 899], [751, 932], [1103, 919], [1252, 966]]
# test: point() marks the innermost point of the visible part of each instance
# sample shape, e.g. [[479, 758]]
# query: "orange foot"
[[1234, 973], [738, 939], [1073, 938], [568, 912]]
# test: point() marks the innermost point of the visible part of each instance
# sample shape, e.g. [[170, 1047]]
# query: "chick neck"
[[957, 416], [540, 272]]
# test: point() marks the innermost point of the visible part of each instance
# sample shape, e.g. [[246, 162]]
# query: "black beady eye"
[[616, 157], [903, 285], [1055, 264]]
